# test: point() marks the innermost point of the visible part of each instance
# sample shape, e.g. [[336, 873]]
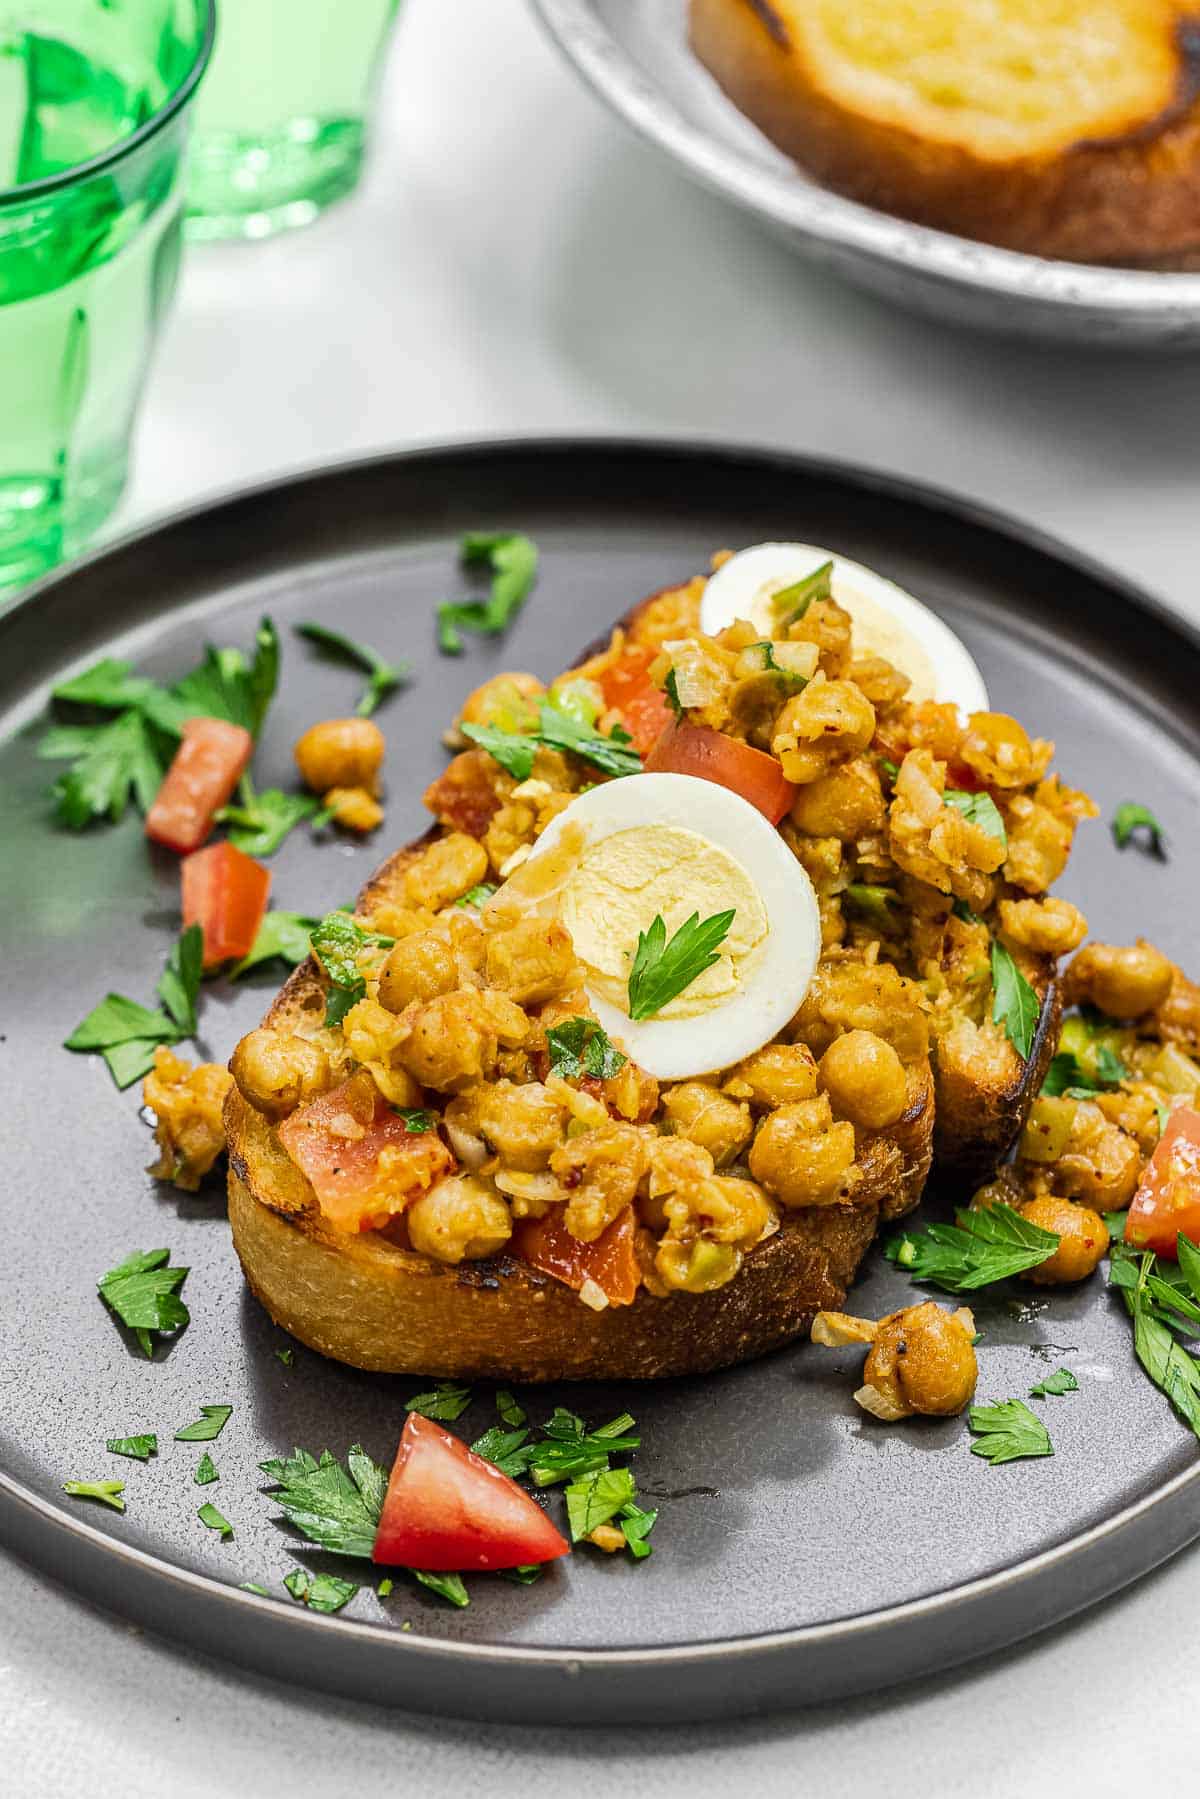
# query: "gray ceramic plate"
[[803, 1551], [634, 53]]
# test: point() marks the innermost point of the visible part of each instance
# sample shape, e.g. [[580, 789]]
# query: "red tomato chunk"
[[224, 892], [610, 1261], [364, 1163], [1168, 1200], [212, 757]]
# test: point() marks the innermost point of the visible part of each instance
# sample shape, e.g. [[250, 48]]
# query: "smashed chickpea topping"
[[915, 877], [187, 1103]]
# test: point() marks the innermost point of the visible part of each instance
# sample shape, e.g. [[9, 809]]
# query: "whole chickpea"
[[1125, 983], [1082, 1234], [923, 1359], [462, 1218], [420, 967], [864, 1078], [340, 752], [275, 1071]]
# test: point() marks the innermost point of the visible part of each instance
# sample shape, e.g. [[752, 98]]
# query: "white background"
[[516, 263]]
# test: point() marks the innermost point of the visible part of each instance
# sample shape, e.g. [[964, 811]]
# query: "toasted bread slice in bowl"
[[363, 1299], [1070, 131]]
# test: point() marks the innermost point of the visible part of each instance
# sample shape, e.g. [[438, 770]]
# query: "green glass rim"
[[125, 146]]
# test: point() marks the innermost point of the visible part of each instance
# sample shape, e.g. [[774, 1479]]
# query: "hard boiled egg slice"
[[887, 621], [671, 845]]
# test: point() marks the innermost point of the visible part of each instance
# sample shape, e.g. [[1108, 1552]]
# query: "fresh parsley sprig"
[[446, 1402], [515, 750], [1008, 1432], [990, 1245], [1015, 1003], [579, 1047], [1164, 1304], [663, 968], [126, 1034], [511, 749], [259, 822], [1130, 817], [382, 676], [143, 1292], [512, 561], [572, 1450]]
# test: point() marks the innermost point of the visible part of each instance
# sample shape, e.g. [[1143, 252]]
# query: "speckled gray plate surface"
[[803, 1550], [635, 54]]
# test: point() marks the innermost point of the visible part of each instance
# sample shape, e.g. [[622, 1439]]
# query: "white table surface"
[[516, 263]]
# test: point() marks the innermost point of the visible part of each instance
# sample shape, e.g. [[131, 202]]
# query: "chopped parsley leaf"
[[512, 560], [282, 936], [526, 1574], [209, 1425], [143, 1292], [791, 603], [671, 689], [384, 1589], [579, 1047], [320, 1592], [416, 1121], [382, 676], [983, 1247], [139, 1449], [336, 1509], [596, 1498], [206, 1471], [978, 809], [446, 1402], [254, 1586], [447, 1586], [513, 751], [575, 1451], [662, 970], [107, 1491], [126, 1034], [510, 1450], [287, 1355], [1015, 1004], [1055, 1385], [1007, 1432], [636, 1526], [510, 1412], [612, 755], [214, 1520], [259, 822], [337, 944], [1130, 817]]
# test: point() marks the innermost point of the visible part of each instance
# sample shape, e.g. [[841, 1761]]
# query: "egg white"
[[743, 588], [678, 1048]]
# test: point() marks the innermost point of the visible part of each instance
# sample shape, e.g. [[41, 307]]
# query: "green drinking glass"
[[282, 119], [94, 103]]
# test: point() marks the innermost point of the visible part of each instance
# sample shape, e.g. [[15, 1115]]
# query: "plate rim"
[[47, 1533], [822, 217]]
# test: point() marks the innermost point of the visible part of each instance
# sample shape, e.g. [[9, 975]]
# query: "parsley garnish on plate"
[[573, 1450], [510, 1412], [215, 1520], [287, 1355], [578, 1047], [1130, 817], [1007, 1432], [319, 1592], [512, 560], [447, 1586], [139, 1449], [206, 1471], [1164, 1304], [107, 1491], [208, 1427], [662, 969], [978, 809], [282, 936], [596, 1498], [446, 1402], [127, 755], [337, 943], [791, 603], [143, 1292], [382, 676], [983, 1247], [1055, 1385], [258, 822], [1015, 1004], [336, 1509], [126, 1034]]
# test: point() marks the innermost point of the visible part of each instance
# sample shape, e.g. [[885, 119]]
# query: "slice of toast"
[[1069, 131], [363, 1300]]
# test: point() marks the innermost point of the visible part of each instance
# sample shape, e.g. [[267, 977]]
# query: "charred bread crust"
[[1127, 196]]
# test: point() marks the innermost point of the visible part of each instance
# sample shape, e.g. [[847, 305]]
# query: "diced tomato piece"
[[364, 1163], [713, 756], [211, 759], [449, 1511], [1168, 1200], [547, 1244], [628, 689], [225, 893], [465, 795]]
